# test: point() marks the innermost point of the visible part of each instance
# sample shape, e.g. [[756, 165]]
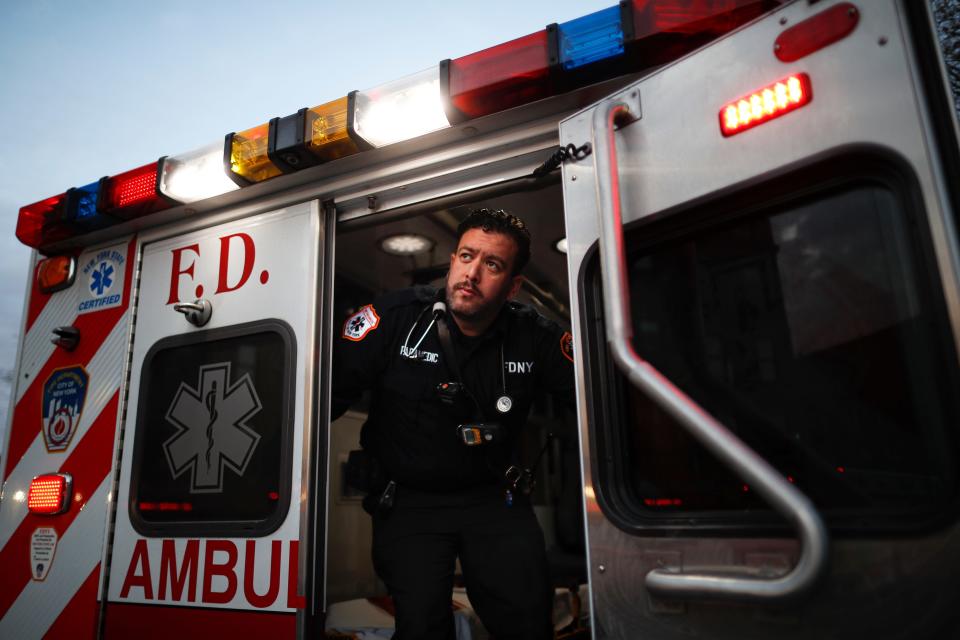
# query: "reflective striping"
[[37, 348], [105, 378], [90, 465], [37, 300], [94, 329], [38, 604], [79, 618]]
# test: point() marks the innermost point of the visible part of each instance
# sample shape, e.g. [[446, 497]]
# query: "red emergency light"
[[43, 223], [498, 78], [50, 494], [770, 102], [133, 193]]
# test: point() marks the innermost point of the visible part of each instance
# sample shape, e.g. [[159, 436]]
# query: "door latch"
[[197, 312]]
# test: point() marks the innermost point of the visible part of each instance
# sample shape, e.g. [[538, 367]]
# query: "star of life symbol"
[[211, 428], [101, 279]]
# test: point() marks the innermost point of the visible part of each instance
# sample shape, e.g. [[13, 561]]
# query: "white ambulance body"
[[757, 202]]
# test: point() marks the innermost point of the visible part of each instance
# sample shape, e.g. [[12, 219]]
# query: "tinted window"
[[212, 449], [811, 330]]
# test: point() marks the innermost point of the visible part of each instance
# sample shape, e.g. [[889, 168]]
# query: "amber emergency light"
[[246, 156], [767, 103], [50, 494], [57, 273]]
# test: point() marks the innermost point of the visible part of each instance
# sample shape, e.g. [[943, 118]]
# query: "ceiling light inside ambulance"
[[400, 110], [195, 175], [49, 494], [246, 155], [43, 223], [406, 244], [766, 104]]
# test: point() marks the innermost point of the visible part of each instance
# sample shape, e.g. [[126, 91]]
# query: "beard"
[[472, 309]]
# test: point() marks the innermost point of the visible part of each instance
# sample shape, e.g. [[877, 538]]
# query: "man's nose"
[[473, 271]]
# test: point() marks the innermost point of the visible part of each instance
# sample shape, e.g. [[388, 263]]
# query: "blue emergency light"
[[591, 38]]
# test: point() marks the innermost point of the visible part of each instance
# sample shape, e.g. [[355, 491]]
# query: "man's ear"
[[515, 287]]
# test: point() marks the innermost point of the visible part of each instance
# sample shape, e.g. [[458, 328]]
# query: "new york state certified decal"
[[211, 428], [101, 275], [64, 394]]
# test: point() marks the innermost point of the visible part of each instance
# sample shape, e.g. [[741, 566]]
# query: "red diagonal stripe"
[[37, 300], [89, 464], [79, 618], [94, 329]]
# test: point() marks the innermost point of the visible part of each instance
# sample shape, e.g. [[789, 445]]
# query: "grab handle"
[[719, 440]]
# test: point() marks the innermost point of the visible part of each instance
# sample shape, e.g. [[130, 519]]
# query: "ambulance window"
[[814, 330], [212, 451]]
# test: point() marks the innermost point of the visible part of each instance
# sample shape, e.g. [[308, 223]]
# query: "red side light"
[[42, 223], [498, 78], [816, 32], [663, 502], [49, 494], [766, 104], [664, 30], [134, 193]]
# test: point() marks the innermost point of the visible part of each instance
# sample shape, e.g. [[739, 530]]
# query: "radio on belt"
[[479, 433]]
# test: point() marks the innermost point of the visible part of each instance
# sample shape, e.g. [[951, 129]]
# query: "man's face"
[[481, 275]]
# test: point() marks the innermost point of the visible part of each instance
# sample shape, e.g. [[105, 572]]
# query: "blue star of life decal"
[[101, 279], [212, 433]]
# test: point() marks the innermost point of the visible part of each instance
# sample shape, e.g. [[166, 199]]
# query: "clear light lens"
[[400, 110], [406, 244], [561, 245], [195, 175]]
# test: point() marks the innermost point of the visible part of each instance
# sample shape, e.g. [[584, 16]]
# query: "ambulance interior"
[[367, 264]]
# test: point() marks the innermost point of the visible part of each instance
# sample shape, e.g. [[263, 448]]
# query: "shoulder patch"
[[361, 323], [566, 345]]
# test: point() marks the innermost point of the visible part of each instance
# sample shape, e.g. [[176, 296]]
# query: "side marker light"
[[49, 494], [57, 273], [766, 104]]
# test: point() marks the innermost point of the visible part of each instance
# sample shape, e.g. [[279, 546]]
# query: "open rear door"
[[763, 241], [211, 500]]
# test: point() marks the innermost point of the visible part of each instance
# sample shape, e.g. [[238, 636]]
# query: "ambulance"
[[746, 212]]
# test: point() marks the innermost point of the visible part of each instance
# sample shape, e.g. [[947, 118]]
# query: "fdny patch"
[[64, 393], [566, 346], [361, 323]]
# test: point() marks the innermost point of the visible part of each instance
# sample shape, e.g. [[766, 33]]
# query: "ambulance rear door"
[[764, 249], [211, 506]]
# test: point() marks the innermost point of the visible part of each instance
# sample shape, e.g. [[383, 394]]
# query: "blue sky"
[[93, 88]]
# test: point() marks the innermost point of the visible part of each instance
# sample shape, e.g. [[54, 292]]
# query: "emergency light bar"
[[628, 37], [766, 104]]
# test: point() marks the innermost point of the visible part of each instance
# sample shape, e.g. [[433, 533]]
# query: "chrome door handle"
[[719, 440], [197, 312]]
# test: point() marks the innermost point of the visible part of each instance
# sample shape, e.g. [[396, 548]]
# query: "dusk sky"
[[97, 88]]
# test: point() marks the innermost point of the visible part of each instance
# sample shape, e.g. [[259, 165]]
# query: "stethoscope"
[[504, 402]]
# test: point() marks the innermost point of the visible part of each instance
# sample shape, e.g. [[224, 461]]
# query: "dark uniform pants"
[[501, 552]]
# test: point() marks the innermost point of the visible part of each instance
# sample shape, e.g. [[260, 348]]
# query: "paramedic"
[[453, 375]]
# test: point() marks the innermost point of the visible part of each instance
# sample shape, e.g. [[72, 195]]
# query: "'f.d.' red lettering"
[[249, 254], [176, 271]]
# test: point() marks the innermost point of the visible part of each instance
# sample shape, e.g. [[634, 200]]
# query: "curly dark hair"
[[500, 221]]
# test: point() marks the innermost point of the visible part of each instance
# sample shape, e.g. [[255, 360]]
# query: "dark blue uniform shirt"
[[410, 431]]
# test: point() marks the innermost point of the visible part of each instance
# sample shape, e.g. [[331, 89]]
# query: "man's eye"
[[466, 257], [493, 266]]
